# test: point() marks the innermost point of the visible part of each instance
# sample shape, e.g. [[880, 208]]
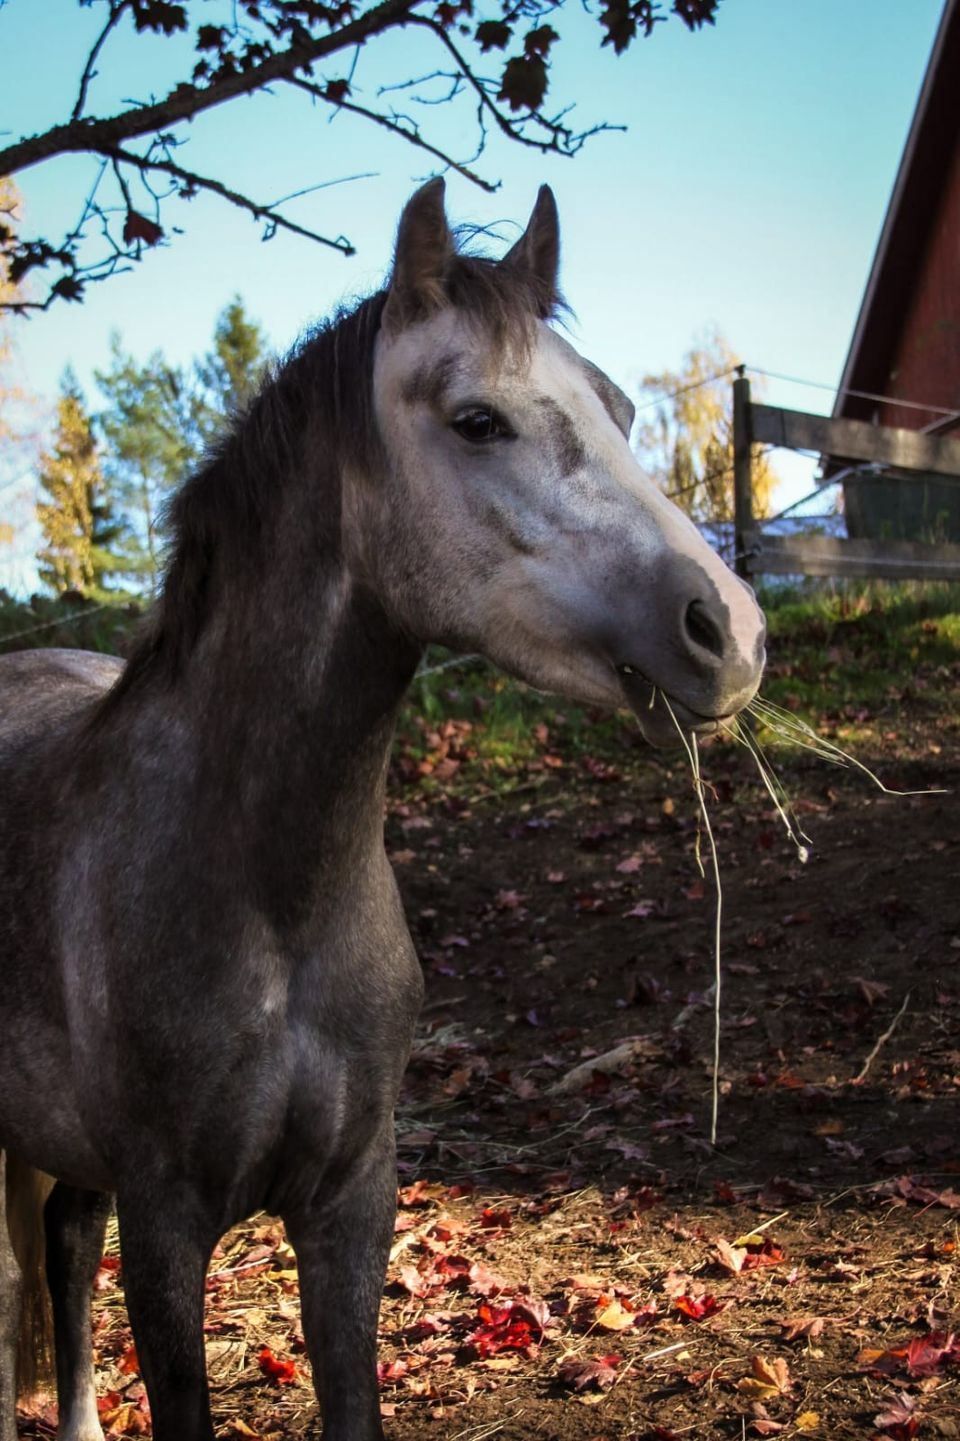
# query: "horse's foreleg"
[[10, 1289], [342, 1250], [26, 1333], [75, 1222], [165, 1245]]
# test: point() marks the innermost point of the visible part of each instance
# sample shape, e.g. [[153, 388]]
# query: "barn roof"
[[931, 143]]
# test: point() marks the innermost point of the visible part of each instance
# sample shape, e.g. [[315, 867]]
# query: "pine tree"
[[152, 442], [158, 420], [230, 374], [79, 529]]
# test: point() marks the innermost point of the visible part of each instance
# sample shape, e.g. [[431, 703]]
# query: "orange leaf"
[[615, 1316], [700, 1309], [281, 1373], [770, 1378]]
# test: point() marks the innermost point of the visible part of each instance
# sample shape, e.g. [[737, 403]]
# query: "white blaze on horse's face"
[[520, 524]]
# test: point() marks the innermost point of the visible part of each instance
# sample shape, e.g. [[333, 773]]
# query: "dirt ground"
[[574, 1261]]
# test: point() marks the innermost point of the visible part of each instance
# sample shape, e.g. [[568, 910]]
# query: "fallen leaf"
[[925, 1354], [504, 1328], [770, 1378], [615, 1315], [730, 1257], [281, 1373], [901, 1418], [809, 1327], [700, 1309], [128, 1362], [599, 1372], [239, 1427]]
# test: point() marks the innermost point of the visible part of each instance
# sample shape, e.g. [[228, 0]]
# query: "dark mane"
[[320, 399]]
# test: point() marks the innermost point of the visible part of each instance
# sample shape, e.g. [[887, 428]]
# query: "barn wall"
[[925, 367], [926, 363]]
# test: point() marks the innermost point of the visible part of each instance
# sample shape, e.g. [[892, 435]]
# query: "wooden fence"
[[912, 452]]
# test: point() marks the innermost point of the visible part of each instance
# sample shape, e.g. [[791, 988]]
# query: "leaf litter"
[[573, 1263]]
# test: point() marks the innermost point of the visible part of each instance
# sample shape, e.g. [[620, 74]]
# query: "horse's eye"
[[480, 425]]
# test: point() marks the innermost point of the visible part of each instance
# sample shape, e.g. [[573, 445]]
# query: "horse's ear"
[[537, 252], [424, 247]]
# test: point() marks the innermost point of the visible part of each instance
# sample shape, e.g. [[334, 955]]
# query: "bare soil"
[[574, 1260]]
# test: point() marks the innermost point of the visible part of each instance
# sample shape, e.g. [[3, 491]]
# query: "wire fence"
[[60, 620], [788, 520]]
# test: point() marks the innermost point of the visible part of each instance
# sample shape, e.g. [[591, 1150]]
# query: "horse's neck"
[[286, 707]]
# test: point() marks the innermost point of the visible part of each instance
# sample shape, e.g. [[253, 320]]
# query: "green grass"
[[867, 650], [847, 658]]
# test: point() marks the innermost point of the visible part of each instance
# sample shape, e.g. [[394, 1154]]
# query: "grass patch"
[[845, 659]]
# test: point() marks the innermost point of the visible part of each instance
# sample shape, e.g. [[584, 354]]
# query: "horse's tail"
[[26, 1194]]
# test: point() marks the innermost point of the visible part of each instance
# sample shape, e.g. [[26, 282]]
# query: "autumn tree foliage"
[[684, 435], [493, 55], [75, 515]]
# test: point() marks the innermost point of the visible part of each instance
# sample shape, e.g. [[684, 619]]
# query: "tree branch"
[[393, 124], [185, 101], [165, 166], [562, 140], [117, 8]]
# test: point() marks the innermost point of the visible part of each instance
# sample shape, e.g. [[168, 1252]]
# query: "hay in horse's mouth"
[[641, 694]]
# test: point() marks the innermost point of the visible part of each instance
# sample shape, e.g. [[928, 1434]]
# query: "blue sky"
[[747, 192]]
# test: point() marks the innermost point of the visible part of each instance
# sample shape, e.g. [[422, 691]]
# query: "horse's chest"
[[302, 1072]]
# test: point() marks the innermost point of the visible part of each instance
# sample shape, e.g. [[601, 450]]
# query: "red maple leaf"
[[281, 1373], [128, 1362], [699, 1309], [504, 1328], [493, 1219], [925, 1354]]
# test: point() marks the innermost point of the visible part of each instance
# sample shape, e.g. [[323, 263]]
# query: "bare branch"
[[193, 180], [395, 125], [117, 8], [186, 101]]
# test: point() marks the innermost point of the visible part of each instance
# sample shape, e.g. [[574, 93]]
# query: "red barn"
[[906, 344]]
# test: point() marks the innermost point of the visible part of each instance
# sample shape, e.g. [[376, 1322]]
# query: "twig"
[[408, 132], [116, 10], [881, 1042], [609, 1061], [665, 1351], [192, 179]]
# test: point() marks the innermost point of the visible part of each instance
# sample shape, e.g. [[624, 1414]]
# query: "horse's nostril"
[[703, 630]]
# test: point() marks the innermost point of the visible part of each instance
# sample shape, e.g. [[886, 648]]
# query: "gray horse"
[[207, 989]]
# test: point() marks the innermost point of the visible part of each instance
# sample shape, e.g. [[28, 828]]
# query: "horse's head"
[[515, 520]]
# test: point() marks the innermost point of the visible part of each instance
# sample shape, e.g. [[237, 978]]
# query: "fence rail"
[[848, 440]]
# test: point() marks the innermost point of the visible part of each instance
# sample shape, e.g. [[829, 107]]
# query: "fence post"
[[742, 468]]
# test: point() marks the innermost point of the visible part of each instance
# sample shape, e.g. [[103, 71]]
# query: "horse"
[[207, 986]]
